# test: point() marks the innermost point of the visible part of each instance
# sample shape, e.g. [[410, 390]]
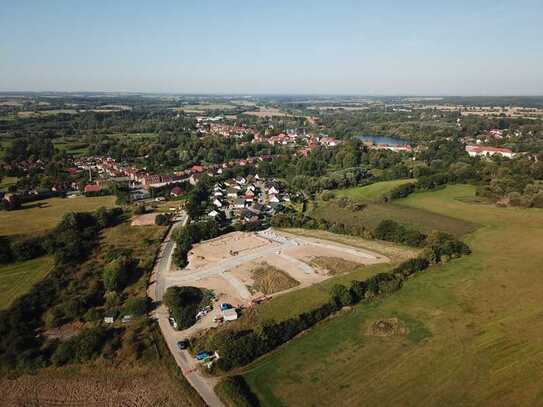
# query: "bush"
[[108, 217], [342, 296], [411, 266], [28, 249], [328, 195], [235, 392], [402, 191], [136, 306], [85, 346], [394, 232], [139, 210], [183, 303], [192, 233], [117, 273], [443, 247], [6, 254], [74, 237], [162, 220]]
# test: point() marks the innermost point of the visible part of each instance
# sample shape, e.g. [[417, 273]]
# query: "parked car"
[[181, 345], [225, 306], [202, 355], [172, 322]]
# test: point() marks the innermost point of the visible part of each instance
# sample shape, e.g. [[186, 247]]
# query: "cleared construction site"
[[243, 267]]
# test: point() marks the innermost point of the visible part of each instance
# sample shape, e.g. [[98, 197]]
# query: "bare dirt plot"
[[224, 247], [309, 251], [394, 252], [244, 273], [223, 290], [292, 267], [144, 220]]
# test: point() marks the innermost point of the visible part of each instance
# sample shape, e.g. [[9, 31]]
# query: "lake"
[[391, 141]]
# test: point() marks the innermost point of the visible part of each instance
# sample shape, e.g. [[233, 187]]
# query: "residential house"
[[273, 190], [273, 199], [176, 192], [485, 151], [232, 193], [256, 208], [239, 203], [92, 188]]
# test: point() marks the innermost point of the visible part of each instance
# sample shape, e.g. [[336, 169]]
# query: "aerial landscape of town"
[[175, 236]]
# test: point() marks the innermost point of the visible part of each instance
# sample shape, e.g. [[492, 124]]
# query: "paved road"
[[202, 384]]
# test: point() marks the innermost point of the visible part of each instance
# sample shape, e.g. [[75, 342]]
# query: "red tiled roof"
[[92, 188], [176, 191], [482, 149]]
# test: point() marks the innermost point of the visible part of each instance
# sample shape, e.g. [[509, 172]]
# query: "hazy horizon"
[[347, 48]]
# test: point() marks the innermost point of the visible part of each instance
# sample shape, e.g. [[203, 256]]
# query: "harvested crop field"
[[108, 387]]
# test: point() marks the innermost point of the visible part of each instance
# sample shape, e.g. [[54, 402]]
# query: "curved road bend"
[[202, 384]]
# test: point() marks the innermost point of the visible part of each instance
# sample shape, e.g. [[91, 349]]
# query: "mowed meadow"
[[473, 335], [18, 278], [41, 216]]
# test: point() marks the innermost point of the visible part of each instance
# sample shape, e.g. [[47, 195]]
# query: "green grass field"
[[373, 192], [40, 216], [475, 327], [17, 278]]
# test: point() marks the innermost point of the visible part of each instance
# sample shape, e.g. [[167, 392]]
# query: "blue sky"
[[344, 47]]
